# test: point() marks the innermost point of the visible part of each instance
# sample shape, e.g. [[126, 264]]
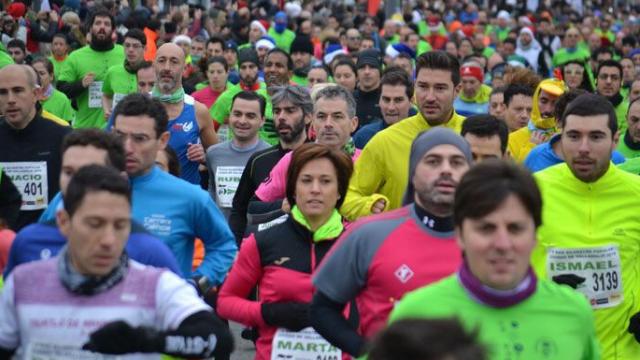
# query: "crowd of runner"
[[400, 180]]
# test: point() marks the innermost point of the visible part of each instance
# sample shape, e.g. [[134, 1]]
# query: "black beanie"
[[248, 55], [302, 44], [369, 57]]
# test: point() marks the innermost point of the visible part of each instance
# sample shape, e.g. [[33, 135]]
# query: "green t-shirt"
[[284, 40], [423, 47], [118, 83], [631, 165], [563, 55], [301, 81], [221, 109], [554, 323], [81, 62], [625, 150], [5, 59], [57, 65], [59, 105], [621, 115]]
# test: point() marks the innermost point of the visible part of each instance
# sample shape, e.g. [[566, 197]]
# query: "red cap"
[[474, 71]]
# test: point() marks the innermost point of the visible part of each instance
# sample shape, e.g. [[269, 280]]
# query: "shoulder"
[[570, 299], [35, 267], [54, 124], [379, 225], [413, 303]]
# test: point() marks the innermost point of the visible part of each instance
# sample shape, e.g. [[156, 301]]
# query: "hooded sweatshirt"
[[531, 51], [520, 141]]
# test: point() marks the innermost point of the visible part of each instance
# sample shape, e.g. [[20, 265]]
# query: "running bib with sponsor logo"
[[95, 95], [302, 345], [30, 177], [117, 98], [597, 271], [227, 180]]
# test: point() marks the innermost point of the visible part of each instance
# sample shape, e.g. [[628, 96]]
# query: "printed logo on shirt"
[[188, 126], [546, 348], [619, 232], [404, 273], [282, 260], [157, 224], [45, 254]]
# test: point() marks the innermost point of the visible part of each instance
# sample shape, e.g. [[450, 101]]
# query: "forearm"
[[71, 89], [327, 319], [202, 334]]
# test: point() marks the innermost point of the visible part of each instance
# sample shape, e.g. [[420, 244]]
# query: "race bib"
[[45, 351], [116, 99], [31, 180], [227, 180], [95, 95], [597, 271], [302, 345]]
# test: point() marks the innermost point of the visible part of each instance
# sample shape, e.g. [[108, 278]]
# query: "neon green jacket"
[[585, 221], [382, 170], [59, 105], [554, 323]]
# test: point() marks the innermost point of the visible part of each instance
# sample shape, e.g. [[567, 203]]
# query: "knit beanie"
[[426, 141]]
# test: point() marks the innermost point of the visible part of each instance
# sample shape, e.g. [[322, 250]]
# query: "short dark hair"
[[563, 101], [440, 60], [516, 89], [215, 40], [485, 125], [173, 161], [216, 59], [144, 65], [394, 76], [94, 178], [116, 156], [48, 65], [345, 62], [250, 96], [601, 50], [609, 63], [136, 34], [284, 53], [509, 41], [427, 339], [140, 104], [61, 35], [17, 43], [312, 151], [590, 105], [486, 186], [98, 11], [498, 90]]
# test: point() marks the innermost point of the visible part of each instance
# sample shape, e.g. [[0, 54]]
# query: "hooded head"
[[426, 141], [541, 118], [280, 22]]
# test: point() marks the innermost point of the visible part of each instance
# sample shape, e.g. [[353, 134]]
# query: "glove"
[[568, 279], [119, 337], [289, 315], [634, 326]]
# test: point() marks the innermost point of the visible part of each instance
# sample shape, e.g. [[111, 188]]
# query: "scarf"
[[47, 93], [174, 98], [350, 147], [329, 230], [629, 141], [616, 99], [496, 298], [302, 72], [89, 285], [532, 127]]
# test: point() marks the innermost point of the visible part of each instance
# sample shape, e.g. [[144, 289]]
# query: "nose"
[[502, 239], [430, 95], [108, 238], [584, 146], [315, 186]]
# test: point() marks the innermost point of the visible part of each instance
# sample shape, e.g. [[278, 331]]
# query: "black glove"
[[568, 279], [289, 315], [634, 326], [119, 337]]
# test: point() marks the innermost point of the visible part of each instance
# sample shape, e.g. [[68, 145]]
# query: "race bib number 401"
[[305, 344], [597, 272], [30, 177]]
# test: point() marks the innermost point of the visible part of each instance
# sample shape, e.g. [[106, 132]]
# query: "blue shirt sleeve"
[[617, 157], [219, 243], [49, 213]]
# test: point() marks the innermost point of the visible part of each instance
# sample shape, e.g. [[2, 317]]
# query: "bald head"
[[169, 65], [19, 94]]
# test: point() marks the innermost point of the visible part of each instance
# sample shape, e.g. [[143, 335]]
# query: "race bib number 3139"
[[596, 270], [30, 177]]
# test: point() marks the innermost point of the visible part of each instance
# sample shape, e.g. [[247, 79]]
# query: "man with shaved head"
[[190, 126], [29, 143]]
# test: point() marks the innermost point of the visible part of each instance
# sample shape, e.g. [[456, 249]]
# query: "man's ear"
[[354, 123], [164, 139], [63, 220]]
